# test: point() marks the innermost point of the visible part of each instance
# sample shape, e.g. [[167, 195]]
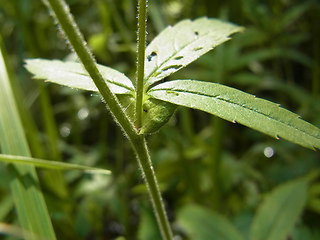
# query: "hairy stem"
[[61, 12], [64, 18], [142, 16], [145, 164]]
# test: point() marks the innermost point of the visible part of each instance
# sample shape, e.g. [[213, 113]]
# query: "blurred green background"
[[199, 159]]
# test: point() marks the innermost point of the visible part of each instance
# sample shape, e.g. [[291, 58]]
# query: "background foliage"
[[221, 167]]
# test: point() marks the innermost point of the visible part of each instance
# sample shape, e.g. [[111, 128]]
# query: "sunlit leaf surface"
[[73, 74], [237, 106], [177, 46]]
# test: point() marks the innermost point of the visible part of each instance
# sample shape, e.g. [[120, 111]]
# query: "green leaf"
[[148, 225], [29, 201], [6, 206], [237, 106], [48, 164], [73, 74], [177, 46], [202, 224], [279, 212]]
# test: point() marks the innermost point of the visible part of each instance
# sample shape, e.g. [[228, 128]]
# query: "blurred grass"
[[29, 202], [198, 159]]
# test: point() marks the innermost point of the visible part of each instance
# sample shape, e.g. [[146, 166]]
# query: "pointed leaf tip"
[[49, 164]]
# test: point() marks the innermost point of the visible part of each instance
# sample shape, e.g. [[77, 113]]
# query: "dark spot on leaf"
[[145, 110], [197, 48], [178, 58], [196, 33], [171, 67], [153, 54]]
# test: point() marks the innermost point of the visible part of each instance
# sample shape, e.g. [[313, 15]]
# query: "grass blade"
[[49, 164], [29, 202]]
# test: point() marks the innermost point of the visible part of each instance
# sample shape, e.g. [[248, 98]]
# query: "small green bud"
[[156, 113]]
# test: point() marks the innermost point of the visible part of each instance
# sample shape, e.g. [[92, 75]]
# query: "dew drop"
[[65, 130], [83, 113], [268, 152]]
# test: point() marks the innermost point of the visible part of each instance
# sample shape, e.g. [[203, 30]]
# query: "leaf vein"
[[177, 51]]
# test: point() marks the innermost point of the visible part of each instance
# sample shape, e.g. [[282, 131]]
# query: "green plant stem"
[[142, 16], [63, 16], [149, 176]]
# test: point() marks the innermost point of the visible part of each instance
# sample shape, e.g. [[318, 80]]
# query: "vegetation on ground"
[[218, 179]]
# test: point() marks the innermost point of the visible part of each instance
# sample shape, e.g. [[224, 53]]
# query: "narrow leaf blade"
[[279, 212], [177, 46], [49, 164], [72, 74], [237, 106], [201, 224], [24, 184]]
